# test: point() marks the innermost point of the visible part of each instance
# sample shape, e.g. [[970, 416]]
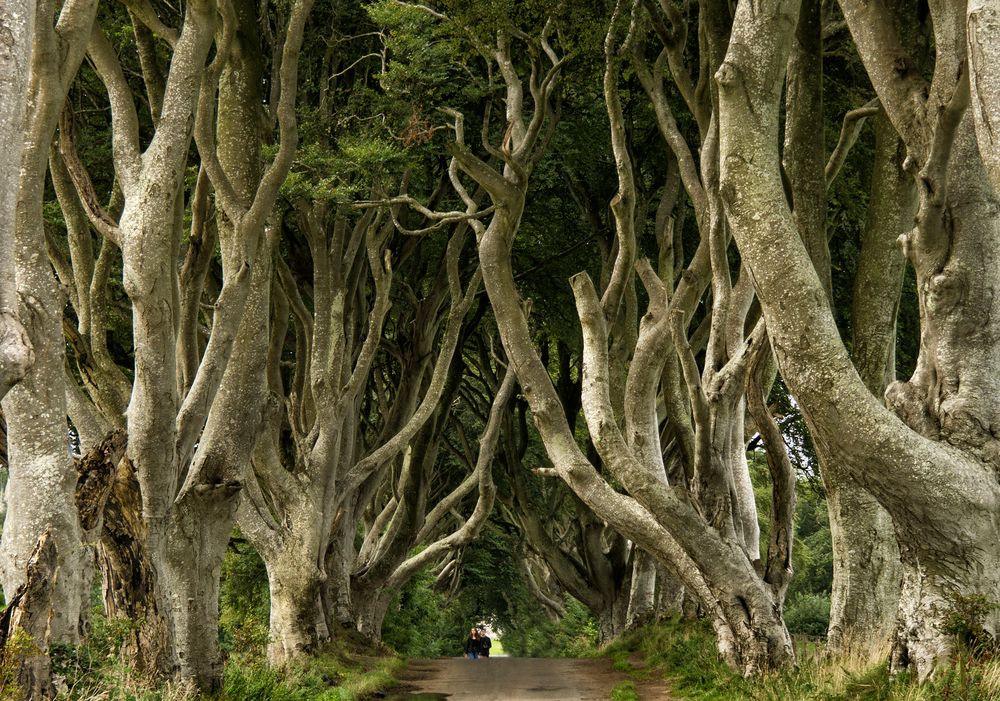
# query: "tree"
[[927, 459], [41, 486], [705, 546], [163, 560]]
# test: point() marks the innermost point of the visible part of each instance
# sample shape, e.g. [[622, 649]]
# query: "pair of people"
[[478, 644]]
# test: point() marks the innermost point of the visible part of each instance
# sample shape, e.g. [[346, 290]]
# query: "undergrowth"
[[339, 672], [684, 654]]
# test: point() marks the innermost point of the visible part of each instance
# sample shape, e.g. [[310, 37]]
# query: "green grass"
[[334, 674], [624, 691], [684, 654]]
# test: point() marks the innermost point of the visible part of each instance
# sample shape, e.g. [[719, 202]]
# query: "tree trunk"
[[938, 477], [297, 622], [337, 593], [952, 398], [670, 595], [129, 578], [17, 20], [866, 569], [29, 613], [642, 593], [291, 553], [199, 531], [42, 481], [752, 635], [369, 613]]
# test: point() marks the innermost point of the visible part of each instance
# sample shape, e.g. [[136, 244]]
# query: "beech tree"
[[301, 507], [161, 557], [709, 547], [927, 456], [583, 556], [314, 368], [41, 484]]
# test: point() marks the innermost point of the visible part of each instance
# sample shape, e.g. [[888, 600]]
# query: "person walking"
[[484, 644], [473, 645]]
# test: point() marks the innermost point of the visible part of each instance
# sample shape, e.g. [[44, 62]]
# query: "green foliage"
[[807, 609], [418, 623], [966, 620], [18, 645], [574, 635], [244, 598], [808, 614], [96, 671], [422, 622], [323, 678]]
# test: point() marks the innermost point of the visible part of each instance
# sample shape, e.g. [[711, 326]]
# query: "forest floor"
[[517, 679]]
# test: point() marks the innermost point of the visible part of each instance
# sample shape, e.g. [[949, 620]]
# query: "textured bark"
[[942, 494], [95, 479], [983, 26], [642, 605], [17, 24], [866, 570], [40, 490], [185, 436], [28, 613], [151, 182], [205, 509], [298, 622], [312, 503], [128, 576], [804, 152], [384, 574], [199, 530]]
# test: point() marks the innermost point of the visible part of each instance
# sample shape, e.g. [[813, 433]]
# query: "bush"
[[808, 614]]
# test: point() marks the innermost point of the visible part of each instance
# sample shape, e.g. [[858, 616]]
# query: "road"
[[511, 679]]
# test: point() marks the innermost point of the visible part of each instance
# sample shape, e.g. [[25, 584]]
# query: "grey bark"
[[336, 343], [42, 480], [866, 569], [188, 487], [642, 604], [28, 614], [17, 26], [924, 482]]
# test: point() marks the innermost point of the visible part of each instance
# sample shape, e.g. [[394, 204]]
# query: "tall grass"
[[684, 654], [95, 672]]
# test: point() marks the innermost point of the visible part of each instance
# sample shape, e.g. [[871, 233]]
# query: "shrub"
[[808, 614]]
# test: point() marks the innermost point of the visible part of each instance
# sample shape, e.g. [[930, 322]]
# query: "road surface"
[[512, 679]]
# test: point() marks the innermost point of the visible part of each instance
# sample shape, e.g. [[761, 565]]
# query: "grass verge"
[[333, 674], [684, 655]]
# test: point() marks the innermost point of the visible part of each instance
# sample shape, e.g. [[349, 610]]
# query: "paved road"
[[512, 679]]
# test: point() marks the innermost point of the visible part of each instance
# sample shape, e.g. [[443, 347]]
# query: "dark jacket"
[[473, 645]]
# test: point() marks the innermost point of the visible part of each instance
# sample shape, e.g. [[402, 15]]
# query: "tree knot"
[[727, 74]]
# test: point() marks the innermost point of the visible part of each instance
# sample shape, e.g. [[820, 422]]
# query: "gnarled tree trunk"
[[41, 485], [937, 475]]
